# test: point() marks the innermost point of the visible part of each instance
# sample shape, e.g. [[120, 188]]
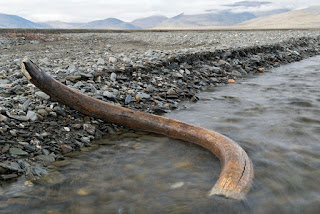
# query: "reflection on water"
[[275, 117]]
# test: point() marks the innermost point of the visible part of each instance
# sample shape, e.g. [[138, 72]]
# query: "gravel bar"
[[145, 71]]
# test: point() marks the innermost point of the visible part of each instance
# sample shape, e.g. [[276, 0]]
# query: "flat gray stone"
[[18, 152], [42, 95], [32, 116]]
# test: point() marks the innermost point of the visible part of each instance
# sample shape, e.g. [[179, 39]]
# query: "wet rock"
[[12, 166], [231, 81], [236, 74], [8, 177], [52, 178], [23, 164], [45, 159], [177, 185], [130, 135], [65, 148], [35, 172]]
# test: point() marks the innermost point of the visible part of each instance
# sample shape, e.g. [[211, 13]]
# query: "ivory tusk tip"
[[23, 68], [216, 191]]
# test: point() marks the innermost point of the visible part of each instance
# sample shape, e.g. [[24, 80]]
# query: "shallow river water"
[[275, 117]]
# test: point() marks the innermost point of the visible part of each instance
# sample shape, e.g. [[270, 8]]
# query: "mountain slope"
[[110, 23], [305, 18], [61, 25], [224, 18], [12, 21], [148, 22]]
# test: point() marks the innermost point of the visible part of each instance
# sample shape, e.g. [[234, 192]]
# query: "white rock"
[[112, 59], [177, 185]]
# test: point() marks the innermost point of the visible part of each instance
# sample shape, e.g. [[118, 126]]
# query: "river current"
[[274, 116]]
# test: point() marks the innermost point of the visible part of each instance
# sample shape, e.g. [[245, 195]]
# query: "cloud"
[[127, 10], [248, 4]]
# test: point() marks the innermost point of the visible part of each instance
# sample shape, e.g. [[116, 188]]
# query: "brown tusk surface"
[[237, 170]]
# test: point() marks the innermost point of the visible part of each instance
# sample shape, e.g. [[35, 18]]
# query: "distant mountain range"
[[149, 22], [209, 19], [281, 18], [12, 21]]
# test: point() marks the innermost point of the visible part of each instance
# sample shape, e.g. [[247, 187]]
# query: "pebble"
[[43, 112], [31, 115], [3, 118], [113, 77], [140, 96], [100, 61], [18, 117], [65, 148], [128, 99], [18, 152], [53, 178], [113, 60], [67, 129], [42, 95], [45, 159], [15, 167], [108, 95], [89, 128], [177, 185]]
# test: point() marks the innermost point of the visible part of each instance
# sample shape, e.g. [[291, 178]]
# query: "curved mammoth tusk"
[[237, 170]]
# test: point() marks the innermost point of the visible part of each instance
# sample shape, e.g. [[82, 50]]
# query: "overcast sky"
[[128, 10]]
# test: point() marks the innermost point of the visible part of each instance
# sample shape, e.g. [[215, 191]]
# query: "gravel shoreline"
[[146, 71]]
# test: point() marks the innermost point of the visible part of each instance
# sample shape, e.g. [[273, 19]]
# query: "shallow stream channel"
[[274, 116]]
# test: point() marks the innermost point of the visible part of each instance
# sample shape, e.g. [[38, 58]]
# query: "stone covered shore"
[[146, 71]]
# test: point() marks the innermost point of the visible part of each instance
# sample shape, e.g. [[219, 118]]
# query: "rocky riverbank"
[[146, 71]]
